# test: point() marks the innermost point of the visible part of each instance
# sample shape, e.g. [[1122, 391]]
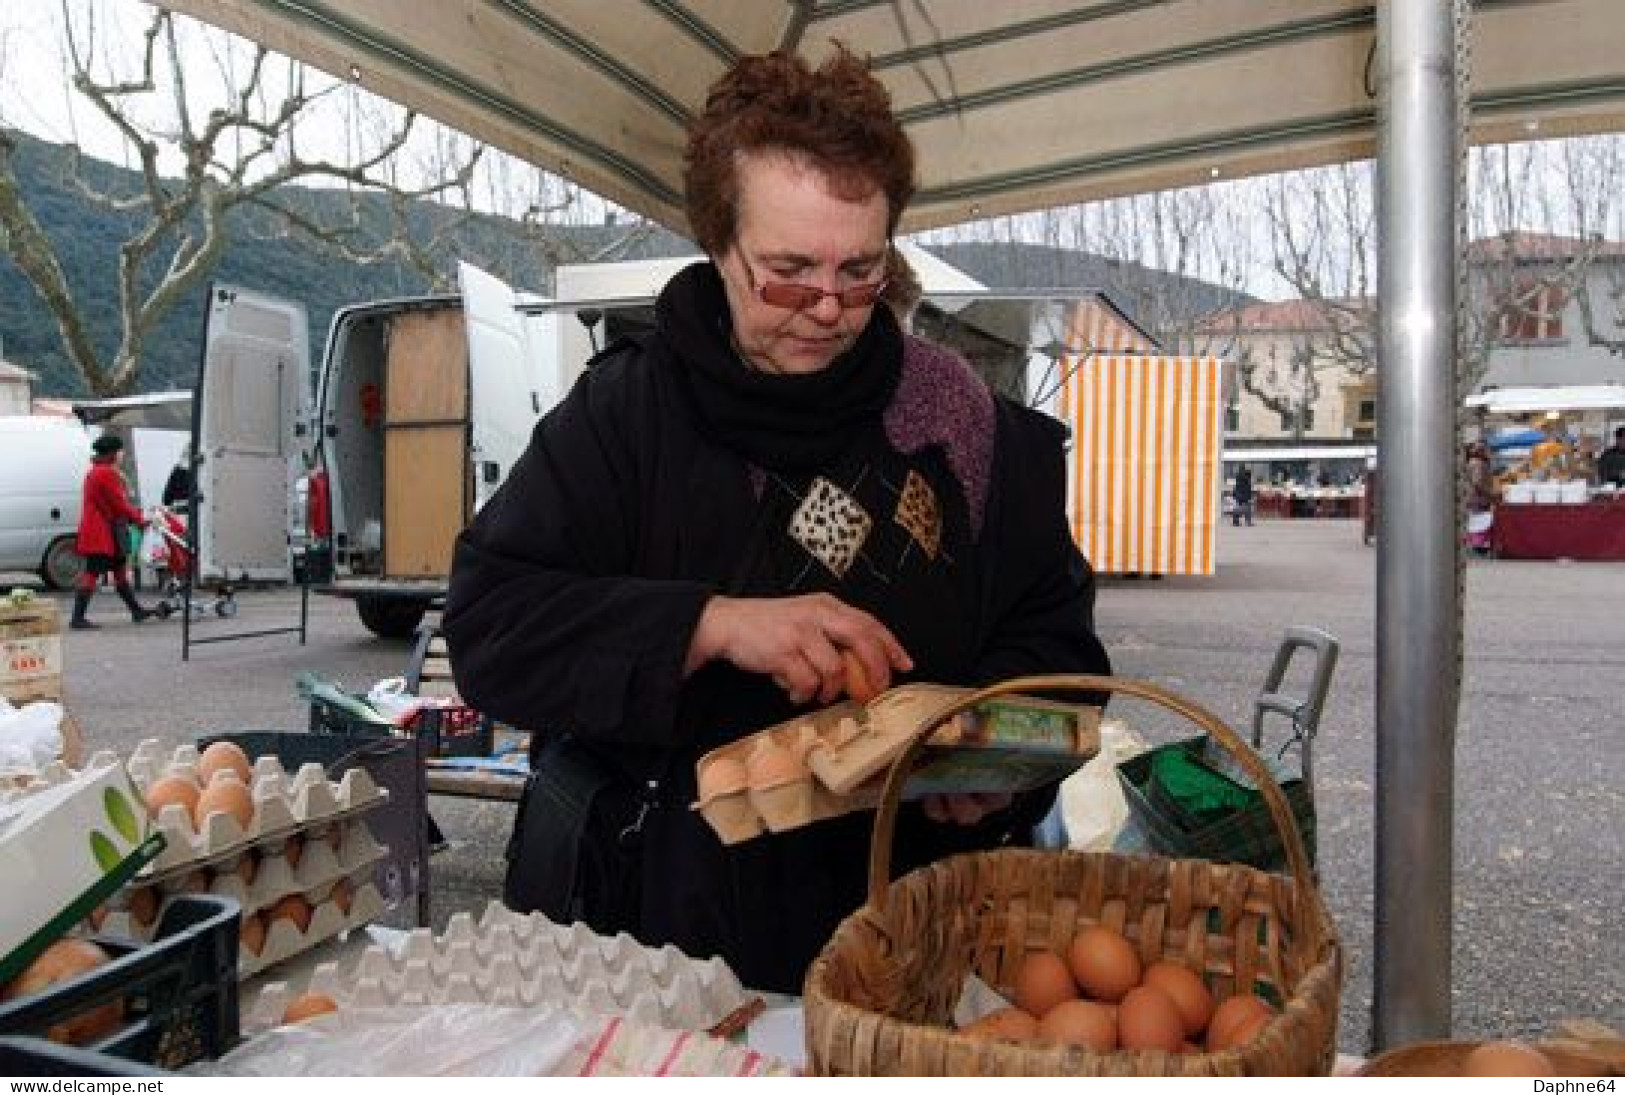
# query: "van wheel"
[[390, 617], [61, 565]]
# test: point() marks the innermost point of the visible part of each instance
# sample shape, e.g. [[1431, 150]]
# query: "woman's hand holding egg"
[[800, 642]]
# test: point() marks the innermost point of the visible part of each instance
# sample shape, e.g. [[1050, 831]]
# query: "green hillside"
[[88, 238]]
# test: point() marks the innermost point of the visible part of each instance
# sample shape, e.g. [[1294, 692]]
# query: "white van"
[[43, 460]]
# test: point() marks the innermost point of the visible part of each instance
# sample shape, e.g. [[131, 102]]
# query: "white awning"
[[1574, 397], [1299, 452], [1015, 105]]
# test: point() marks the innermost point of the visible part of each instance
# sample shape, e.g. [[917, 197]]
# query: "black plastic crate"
[[25, 1056], [179, 992], [401, 823]]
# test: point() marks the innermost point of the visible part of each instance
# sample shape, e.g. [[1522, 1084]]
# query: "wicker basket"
[[1582, 1047], [879, 997]]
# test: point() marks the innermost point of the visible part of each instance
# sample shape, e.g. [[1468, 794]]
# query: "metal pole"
[[1417, 601]]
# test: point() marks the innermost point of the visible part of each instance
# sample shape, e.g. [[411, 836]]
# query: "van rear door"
[[503, 402], [250, 414]]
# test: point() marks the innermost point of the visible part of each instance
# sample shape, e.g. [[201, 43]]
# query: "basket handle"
[[880, 846]]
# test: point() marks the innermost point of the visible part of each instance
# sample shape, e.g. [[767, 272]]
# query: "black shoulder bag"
[[576, 852]]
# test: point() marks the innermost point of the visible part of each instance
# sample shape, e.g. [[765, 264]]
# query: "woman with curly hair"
[[777, 479]]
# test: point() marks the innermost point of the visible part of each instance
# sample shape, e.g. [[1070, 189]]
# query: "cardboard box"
[[31, 664], [30, 652], [66, 846]]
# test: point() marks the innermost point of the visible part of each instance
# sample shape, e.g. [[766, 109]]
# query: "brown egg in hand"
[[858, 684]]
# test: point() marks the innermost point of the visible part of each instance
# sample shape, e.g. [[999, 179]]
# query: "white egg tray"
[[20, 783], [283, 805], [283, 939], [513, 960]]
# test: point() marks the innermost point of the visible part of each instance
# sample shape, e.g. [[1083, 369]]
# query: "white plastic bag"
[[447, 1040], [1092, 804], [154, 549], [30, 735], [390, 699]]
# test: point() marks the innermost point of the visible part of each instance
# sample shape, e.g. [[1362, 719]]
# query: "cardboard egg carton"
[[283, 938], [833, 761], [284, 804], [514, 960], [18, 784]]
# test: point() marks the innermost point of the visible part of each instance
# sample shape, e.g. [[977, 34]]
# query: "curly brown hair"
[[838, 116]]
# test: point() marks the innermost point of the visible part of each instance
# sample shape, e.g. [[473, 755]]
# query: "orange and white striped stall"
[[1145, 464]]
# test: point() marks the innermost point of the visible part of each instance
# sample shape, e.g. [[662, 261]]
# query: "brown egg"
[[722, 776], [1104, 964], [1507, 1058], [195, 881], [341, 895], [1148, 1019], [172, 791], [308, 1006], [144, 906], [97, 917], [1186, 990], [294, 909], [1238, 1015], [65, 960], [1080, 1023], [1042, 981], [252, 933], [225, 796], [293, 849], [246, 868], [858, 685], [223, 756], [1004, 1025], [773, 765]]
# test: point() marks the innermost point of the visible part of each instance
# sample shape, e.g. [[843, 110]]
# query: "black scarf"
[[789, 423]]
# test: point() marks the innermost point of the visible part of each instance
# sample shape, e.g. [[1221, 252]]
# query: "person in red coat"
[[103, 541]]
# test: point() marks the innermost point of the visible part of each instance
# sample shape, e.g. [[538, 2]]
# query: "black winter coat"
[[576, 590]]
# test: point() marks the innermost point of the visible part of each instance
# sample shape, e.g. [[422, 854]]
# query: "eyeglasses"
[[799, 298]]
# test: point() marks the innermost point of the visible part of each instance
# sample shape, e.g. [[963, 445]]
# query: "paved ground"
[[1540, 801]]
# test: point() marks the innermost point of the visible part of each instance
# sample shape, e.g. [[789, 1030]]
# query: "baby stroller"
[[173, 556]]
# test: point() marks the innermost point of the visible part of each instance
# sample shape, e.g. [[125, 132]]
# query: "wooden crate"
[[31, 664], [30, 652]]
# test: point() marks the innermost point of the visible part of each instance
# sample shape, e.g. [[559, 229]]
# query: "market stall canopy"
[[1576, 397], [1014, 106]]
